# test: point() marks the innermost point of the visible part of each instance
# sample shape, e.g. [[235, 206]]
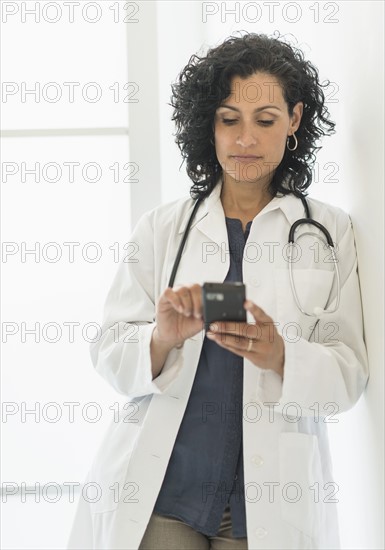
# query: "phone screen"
[[223, 302]]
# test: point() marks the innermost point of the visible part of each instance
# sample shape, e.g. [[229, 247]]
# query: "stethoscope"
[[317, 311]]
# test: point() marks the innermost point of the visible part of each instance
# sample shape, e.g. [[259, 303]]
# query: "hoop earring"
[[295, 143]]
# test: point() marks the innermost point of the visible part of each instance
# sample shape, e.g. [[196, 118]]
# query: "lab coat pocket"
[[300, 479], [109, 468], [313, 288]]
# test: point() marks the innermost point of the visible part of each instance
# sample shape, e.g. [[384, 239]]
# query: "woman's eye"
[[230, 121]]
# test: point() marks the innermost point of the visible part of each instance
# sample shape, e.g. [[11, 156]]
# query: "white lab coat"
[[287, 468]]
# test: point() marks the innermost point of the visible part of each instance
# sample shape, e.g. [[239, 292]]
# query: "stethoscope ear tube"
[[311, 222], [181, 246]]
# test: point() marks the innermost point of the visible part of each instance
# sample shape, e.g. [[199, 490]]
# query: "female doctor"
[[223, 442]]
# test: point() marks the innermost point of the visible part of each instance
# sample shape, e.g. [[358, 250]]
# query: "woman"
[[223, 443]]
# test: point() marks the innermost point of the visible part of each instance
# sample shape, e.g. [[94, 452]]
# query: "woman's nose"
[[246, 136]]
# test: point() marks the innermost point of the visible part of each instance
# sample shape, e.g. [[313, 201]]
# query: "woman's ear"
[[296, 116]]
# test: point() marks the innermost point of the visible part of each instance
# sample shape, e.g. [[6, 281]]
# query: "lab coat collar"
[[211, 211], [290, 205], [210, 204]]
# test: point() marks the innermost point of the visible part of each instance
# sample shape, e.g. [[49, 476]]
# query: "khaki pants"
[[165, 533]]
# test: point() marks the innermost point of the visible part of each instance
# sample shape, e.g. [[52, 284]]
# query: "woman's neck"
[[244, 200]]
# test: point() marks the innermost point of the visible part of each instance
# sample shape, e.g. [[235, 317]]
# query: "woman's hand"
[[179, 315], [259, 342]]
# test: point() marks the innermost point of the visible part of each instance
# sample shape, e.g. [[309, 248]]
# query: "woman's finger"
[[241, 346], [257, 312], [196, 297], [185, 299], [170, 296], [184, 295], [240, 330]]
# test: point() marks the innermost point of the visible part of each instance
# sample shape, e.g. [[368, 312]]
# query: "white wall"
[[49, 288], [344, 40]]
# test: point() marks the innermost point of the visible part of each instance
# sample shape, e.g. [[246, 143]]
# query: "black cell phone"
[[223, 302]]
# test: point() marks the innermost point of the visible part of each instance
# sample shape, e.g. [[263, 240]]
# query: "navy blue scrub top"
[[205, 471]]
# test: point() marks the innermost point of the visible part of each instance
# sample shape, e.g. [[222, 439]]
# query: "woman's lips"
[[245, 158]]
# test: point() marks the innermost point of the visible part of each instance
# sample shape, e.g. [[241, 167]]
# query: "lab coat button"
[[255, 282], [260, 532], [257, 460]]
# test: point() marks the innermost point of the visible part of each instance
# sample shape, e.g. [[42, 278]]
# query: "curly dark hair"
[[206, 81]]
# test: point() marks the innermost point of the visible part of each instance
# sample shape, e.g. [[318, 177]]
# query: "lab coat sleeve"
[[328, 373], [122, 353]]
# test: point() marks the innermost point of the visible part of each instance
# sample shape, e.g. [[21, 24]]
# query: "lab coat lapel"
[[206, 253], [212, 223]]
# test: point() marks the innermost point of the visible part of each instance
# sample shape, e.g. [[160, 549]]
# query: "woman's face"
[[251, 127]]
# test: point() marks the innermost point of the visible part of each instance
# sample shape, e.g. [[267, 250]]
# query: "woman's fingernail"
[[210, 335], [213, 328]]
